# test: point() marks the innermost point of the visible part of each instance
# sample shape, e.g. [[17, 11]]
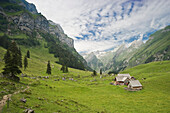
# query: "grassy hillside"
[[157, 48], [85, 93]]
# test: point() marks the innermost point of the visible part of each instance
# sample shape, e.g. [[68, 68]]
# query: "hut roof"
[[121, 78], [124, 75], [135, 83]]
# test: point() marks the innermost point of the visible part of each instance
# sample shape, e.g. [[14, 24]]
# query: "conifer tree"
[[25, 62], [94, 73], [28, 54], [66, 69], [7, 57], [100, 71], [19, 58], [11, 62], [48, 68]]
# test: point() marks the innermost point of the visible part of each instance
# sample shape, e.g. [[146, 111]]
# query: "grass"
[[85, 93]]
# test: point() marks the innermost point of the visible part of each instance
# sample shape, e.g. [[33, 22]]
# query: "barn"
[[124, 75], [135, 84], [121, 80]]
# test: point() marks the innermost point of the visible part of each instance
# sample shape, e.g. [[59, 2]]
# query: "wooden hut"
[[120, 80], [124, 75], [135, 84]]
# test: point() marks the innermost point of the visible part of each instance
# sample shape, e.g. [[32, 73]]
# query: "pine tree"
[[94, 73], [66, 69], [100, 71], [28, 54], [25, 62], [20, 58], [48, 68], [7, 57], [11, 62]]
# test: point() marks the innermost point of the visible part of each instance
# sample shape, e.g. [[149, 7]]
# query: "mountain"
[[157, 48], [122, 55], [93, 61], [20, 21]]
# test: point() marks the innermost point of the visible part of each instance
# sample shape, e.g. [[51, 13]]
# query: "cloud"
[[104, 24]]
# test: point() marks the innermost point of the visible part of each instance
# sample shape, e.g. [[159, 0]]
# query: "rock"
[[23, 100], [57, 80], [63, 79], [29, 110], [46, 77], [71, 79], [111, 83], [23, 75], [3, 92]]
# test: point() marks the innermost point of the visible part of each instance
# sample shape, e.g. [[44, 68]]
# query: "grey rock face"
[[42, 23], [59, 32], [30, 7], [26, 22]]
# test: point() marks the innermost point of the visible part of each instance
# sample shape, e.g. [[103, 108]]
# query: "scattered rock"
[[23, 75], [63, 78], [29, 110], [3, 92], [57, 80], [46, 77], [112, 83], [23, 100], [71, 79], [39, 98]]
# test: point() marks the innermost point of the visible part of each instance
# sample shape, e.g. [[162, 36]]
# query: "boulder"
[[28, 111], [23, 100]]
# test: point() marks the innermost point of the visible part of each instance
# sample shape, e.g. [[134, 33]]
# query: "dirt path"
[[5, 98]]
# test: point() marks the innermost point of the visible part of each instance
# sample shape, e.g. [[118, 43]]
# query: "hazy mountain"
[[93, 61], [157, 48]]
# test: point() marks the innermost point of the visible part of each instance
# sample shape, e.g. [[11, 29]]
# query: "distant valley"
[[157, 48]]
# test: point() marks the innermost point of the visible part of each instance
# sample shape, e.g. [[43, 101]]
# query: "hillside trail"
[[5, 98]]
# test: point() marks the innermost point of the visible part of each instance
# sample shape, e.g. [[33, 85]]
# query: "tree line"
[[13, 62]]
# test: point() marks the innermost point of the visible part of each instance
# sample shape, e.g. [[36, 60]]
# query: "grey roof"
[[125, 75], [135, 83], [121, 78]]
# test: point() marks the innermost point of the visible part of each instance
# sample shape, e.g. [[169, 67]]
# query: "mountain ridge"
[[16, 19], [156, 48]]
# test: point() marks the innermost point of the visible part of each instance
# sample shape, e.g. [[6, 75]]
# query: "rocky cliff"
[[28, 19], [58, 31]]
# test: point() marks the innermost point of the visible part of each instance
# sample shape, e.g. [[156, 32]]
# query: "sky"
[[102, 25]]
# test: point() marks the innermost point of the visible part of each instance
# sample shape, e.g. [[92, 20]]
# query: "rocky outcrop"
[[41, 23], [34, 21], [30, 7], [59, 32], [27, 23]]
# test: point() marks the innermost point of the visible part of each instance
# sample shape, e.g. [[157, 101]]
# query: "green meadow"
[[85, 94]]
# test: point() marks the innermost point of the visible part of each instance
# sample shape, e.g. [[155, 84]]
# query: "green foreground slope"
[[85, 93]]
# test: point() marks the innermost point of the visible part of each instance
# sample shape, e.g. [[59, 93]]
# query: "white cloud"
[[116, 21]]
